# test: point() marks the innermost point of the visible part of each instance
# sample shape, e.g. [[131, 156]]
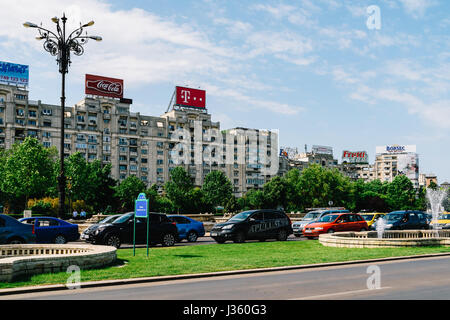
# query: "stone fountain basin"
[[391, 238], [29, 259]]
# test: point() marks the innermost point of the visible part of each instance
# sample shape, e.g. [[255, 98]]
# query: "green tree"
[[318, 186], [401, 194], [217, 188], [275, 193], [127, 192], [178, 188], [27, 171]]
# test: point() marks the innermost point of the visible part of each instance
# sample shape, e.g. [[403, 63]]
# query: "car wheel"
[[239, 237], [192, 236], [113, 240], [168, 240], [60, 239], [282, 235], [220, 240], [15, 241], [330, 231]]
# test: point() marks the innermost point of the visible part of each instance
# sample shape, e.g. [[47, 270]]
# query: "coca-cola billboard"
[[103, 86], [189, 97]]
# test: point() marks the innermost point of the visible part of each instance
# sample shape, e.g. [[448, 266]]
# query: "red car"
[[335, 222]]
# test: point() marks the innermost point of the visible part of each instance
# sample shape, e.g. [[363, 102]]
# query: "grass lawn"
[[225, 257]]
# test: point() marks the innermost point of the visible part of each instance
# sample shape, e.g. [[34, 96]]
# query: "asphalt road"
[[426, 278]]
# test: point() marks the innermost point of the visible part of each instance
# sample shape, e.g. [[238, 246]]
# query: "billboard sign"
[[103, 86], [355, 157], [396, 149], [12, 73], [322, 150], [188, 97]]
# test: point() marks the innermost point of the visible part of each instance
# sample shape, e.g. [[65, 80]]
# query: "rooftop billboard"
[[188, 97], [12, 73], [104, 86]]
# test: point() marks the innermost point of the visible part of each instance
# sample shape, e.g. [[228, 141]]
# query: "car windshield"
[[124, 218], [108, 219], [241, 216], [328, 218], [367, 217], [394, 216], [444, 217], [311, 215]]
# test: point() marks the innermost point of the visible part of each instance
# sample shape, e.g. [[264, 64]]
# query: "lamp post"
[[57, 44]]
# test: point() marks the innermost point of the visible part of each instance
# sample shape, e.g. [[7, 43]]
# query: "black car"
[[253, 225], [404, 220], [161, 230]]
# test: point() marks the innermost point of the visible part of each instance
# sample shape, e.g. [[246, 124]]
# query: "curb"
[[96, 284]]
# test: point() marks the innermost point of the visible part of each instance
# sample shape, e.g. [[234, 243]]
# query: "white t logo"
[[186, 95]]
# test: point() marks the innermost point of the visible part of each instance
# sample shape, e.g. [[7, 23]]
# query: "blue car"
[[188, 228], [14, 232], [52, 230]]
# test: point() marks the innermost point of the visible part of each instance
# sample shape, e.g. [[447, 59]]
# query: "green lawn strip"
[[226, 257]]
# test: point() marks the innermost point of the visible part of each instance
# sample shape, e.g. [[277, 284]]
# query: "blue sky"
[[311, 68]]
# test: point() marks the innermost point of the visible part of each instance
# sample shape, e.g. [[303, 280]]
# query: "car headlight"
[[318, 228], [228, 226]]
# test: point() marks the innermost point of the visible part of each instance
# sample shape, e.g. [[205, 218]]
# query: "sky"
[[323, 72]]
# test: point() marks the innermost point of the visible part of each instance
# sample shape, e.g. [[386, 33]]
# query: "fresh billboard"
[[12, 73], [189, 97], [355, 157], [104, 86]]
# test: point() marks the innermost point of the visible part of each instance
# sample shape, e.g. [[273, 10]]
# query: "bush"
[[45, 206]]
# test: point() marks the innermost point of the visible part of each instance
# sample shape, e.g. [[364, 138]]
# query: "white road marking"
[[338, 294]]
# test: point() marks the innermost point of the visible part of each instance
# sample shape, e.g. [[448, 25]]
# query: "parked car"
[[161, 230], [371, 218], [335, 223], [443, 221], [188, 228], [94, 227], [312, 216], [15, 232], [253, 225], [404, 220], [52, 230]]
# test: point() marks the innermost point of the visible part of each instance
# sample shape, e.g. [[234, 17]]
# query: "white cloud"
[[417, 8]]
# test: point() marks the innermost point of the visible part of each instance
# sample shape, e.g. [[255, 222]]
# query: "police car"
[[312, 216], [253, 225]]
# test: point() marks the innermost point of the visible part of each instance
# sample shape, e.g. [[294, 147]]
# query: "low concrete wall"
[[401, 238], [30, 259]]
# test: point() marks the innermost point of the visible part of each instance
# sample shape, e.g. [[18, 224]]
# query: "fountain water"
[[435, 199], [381, 225]]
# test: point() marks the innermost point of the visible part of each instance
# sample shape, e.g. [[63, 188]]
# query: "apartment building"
[[148, 147]]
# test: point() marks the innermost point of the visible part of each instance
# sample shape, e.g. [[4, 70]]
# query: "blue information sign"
[[141, 206]]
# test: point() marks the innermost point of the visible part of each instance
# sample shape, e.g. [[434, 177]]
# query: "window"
[[32, 122], [32, 113], [47, 112], [159, 161], [123, 167], [47, 144], [20, 112], [47, 124]]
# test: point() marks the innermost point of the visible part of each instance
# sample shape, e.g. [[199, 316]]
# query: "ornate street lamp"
[[57, 44]]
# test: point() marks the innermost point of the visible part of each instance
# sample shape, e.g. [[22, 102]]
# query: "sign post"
[[140, 211]]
